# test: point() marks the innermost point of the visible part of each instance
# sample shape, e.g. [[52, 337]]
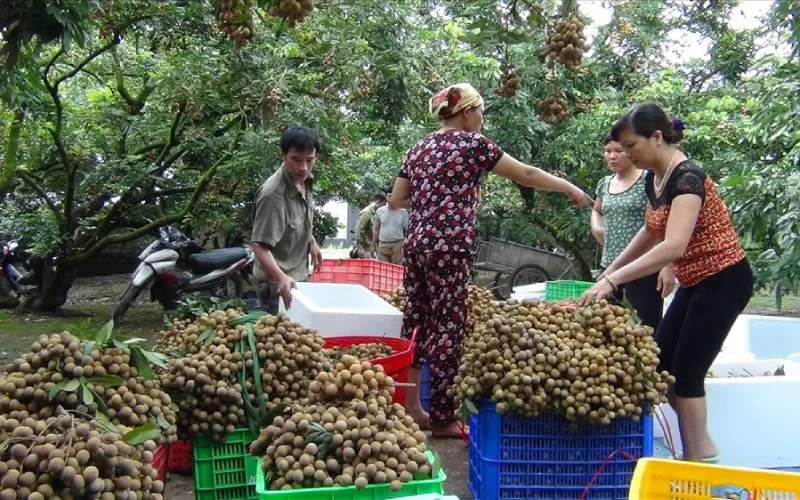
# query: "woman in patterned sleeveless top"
[[617, 216], [440, 181], [687, 224]]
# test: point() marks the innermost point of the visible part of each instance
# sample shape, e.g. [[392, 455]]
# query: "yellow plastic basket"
[[658, 479]]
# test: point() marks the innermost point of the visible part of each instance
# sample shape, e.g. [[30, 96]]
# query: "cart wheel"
[[501, 288], [528, 274]]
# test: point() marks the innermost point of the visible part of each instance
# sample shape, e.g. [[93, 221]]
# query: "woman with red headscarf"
[[440, 181]]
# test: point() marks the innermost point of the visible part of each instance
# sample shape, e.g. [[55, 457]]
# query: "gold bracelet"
[[613, 285]]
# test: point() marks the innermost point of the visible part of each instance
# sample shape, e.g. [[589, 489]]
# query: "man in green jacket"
[[365, 226], [282, 237]]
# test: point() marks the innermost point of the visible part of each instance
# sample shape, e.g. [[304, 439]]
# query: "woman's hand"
[[666, 281], [577, 195], [600, 290]]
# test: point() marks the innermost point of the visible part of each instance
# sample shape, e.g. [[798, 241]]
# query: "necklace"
[[660, 186]]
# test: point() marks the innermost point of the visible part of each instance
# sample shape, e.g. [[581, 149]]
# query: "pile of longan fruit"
[[595, 363]]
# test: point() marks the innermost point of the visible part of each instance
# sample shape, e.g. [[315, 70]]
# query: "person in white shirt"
[[389, 231]]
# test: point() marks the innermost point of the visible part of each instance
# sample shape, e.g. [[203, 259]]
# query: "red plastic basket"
[[160, 457], [180, 457], [380, 277], [395, 365]]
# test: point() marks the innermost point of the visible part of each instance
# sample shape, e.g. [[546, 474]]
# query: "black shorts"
[[696, 324]]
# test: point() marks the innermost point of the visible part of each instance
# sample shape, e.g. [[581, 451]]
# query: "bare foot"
[[421, 418], [446, 431]]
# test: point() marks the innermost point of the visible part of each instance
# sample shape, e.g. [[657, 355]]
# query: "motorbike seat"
[[216, 259]]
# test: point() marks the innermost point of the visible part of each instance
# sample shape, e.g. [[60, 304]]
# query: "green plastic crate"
[[565, 289], [225, 471], [371, 492]]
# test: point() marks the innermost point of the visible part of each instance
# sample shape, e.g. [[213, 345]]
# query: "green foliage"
[[325, 226], [156, 117]]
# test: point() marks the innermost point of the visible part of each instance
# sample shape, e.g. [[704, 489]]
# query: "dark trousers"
[[698, 322], [645, 299], [268, 297]]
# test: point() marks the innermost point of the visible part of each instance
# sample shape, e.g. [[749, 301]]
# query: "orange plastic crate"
[[380, 277]]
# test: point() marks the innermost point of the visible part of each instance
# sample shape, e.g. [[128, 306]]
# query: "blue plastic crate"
[[517, 458], [425, 388]]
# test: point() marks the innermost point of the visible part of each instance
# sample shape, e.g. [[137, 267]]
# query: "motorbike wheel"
[[128, 298]]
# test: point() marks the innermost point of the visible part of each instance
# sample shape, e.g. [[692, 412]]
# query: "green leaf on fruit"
[[141, 434], [162, 422], [104, 334], [105, 380], [102, 420]]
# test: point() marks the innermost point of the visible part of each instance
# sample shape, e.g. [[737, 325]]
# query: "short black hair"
[[645, 119], [378, 197], [300, 138]]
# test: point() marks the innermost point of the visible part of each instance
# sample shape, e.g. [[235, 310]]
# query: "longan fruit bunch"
[[595, 363], [351, 379], [552, 107], [293, 12], [357, 443], [67, 457], [60, 358], [566, 42], [207, 383], [510, 83], [236, 20]]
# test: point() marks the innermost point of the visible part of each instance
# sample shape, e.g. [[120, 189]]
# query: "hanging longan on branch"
[[509, 82], [552, 107], [566, 42], [293, 12], [236, 20]]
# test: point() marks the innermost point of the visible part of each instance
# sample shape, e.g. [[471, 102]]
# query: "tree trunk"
[[7, 298], [52, 285]]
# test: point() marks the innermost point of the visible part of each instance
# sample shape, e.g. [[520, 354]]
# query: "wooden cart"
[[516, 265]]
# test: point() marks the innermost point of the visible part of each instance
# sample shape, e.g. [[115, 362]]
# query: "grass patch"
[[763, 302], [19, 331]]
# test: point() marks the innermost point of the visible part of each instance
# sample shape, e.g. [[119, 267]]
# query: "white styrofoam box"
[[339, 310], [725, 356], [753, 420], [773, 336]]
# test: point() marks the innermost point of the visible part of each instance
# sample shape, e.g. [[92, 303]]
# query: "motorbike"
[[12, 260], [174, 266]]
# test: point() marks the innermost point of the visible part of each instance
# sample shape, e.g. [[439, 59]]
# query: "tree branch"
[[144, 230], [91, 57], [30, 181], [173, 137], [136, 104], [49, 65]]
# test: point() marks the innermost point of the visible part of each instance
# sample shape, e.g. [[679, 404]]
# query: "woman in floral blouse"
[[687, 224], [440, 181]]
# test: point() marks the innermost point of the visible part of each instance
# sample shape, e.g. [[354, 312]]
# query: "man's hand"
[[285, 285], [316, 255], [666, 281]]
